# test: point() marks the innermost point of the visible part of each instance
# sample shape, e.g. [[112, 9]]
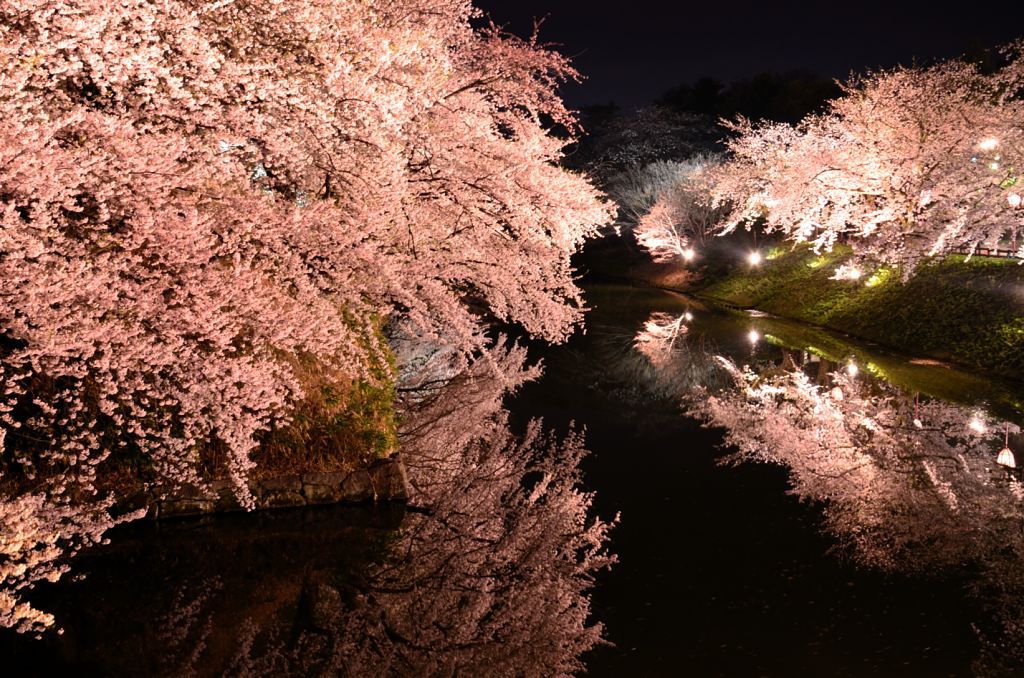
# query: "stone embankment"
[[384, 480]]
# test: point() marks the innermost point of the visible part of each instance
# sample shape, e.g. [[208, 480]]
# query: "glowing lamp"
[[754, 337], [1006, 459], [977, 425], [754, 258], [689, 254], [688, 316], [1014, 199], [988, 144], [852, 369]]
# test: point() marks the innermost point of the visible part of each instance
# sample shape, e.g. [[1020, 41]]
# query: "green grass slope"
[[971, 312]]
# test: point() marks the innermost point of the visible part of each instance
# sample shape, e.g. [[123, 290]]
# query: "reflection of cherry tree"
[[488, 575], [904, 484], [492, 580], [665, 359], [658, 337], [440, 417], [889, 466], [492, 577]]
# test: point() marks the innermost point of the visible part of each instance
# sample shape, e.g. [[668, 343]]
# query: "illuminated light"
[[977, 425], [988, 144], [852, 369], [688, 316], [918, 424], [1014, 199], [1006, 458], [754, 258], [689, 254], [876, 278], [993, 165], [847, 272], [753, 336], [837, 393]]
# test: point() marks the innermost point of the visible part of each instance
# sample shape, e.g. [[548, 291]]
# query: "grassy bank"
[[971, 312], [341, 424]]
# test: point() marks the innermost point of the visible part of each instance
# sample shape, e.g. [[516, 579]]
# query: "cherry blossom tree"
[[194, 196], [637, 189], [909, 163], [684, 214]]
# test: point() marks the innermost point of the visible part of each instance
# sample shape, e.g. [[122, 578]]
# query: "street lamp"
[[1006, 458]]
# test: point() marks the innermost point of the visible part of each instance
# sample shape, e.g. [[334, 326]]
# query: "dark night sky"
[[633, 50]]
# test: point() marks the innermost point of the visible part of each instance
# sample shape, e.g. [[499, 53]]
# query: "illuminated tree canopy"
[[907, 164], [195, 196]]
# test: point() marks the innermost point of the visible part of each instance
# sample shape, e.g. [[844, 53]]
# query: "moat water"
[[721, 569]]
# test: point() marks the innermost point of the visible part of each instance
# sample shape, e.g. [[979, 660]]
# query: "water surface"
[[721, 569]]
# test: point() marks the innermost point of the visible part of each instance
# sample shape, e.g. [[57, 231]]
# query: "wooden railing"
[[987, 252]]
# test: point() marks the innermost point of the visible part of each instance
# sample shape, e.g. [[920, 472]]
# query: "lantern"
[[1006, 458]]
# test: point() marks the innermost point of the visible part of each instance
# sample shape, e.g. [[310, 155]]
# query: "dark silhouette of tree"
[[786, 97]]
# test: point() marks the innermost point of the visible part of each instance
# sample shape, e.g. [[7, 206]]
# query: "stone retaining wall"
[[384, 480]]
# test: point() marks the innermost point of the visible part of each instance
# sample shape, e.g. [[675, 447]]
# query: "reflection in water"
[[488, 574], [905, 483], [663, 359]]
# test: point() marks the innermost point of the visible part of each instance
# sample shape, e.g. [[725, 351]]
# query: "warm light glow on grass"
[[878, 277]]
